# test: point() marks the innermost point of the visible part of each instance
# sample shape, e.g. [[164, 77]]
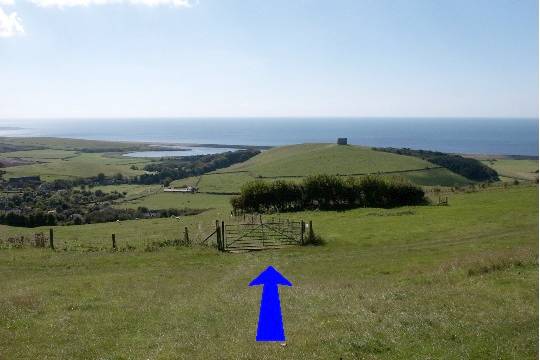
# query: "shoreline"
[[166, 146]]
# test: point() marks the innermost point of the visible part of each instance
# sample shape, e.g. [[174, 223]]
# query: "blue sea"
[[458, 135]]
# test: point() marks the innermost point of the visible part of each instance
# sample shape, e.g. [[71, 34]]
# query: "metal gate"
[[264, 235]]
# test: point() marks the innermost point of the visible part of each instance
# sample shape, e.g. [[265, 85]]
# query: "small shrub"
[[39, 240]]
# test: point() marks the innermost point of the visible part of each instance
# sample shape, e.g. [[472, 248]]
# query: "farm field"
[[59, 164], [72, 144], [163, 200], [46, 154], [308, 159], [515, 169], [389, 284], [296, 161], [132, 191]]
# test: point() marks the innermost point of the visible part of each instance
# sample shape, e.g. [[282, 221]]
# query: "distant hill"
[[296, 161]]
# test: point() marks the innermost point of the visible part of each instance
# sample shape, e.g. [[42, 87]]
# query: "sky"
[[189, 58]]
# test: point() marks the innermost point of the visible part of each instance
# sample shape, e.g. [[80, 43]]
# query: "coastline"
[[450, 135], [129, 146]]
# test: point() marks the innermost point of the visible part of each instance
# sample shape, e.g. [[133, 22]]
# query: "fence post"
[[303, 226], [51, 238], [222, 235], [218, 235], [113, 241], [186, 236], [311, 234]]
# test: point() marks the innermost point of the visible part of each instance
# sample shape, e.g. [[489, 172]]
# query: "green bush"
[[326, 192]]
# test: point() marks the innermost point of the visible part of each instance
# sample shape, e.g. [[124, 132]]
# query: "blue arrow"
[[270, 326]]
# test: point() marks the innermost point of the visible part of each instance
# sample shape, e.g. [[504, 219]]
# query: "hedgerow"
[[326, 192]]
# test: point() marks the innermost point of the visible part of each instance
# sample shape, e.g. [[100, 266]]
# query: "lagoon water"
[[460, 135], [181, 152]]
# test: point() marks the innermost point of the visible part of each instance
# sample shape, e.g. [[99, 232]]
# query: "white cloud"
[[72, 3], [10, 24]]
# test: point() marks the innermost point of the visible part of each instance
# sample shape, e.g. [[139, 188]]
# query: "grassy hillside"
[[459, 281], [515, 169], [309, 159], [72, 144], [60, 164]]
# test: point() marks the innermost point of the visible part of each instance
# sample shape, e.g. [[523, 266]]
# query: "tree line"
[[48, 207], [326, 192], [170, 169], [471, 169], [163, 171]]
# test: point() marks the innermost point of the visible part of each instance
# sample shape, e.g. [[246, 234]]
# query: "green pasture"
[[427, 282], [166, 200], [515, 169], [40, 155], [182, 183], [132, 191], [430, 282], [72, 144], [308, 159], [232, 182], [54, 165]]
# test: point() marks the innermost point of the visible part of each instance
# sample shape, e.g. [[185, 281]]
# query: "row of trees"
[[31, 219], [471, 169], [110, 214], [169, 169], [92, 215], [326, 192]]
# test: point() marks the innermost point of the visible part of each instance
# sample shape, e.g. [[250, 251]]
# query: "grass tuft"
[[501, 262]]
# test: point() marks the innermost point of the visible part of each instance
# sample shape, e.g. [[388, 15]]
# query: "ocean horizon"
[[501, 136]]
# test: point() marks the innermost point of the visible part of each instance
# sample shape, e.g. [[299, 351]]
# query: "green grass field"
[[132, 191], [309, 159], [426, 282], [453, 282], [163, 200], [40, 155], [515, 169], [71, 144], [59, 164]]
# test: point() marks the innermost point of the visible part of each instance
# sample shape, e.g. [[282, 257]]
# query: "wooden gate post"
[[218, 235], [303, 228], [113, 241], [223, 236], [311, 233], [186, 236], [51, 238]]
